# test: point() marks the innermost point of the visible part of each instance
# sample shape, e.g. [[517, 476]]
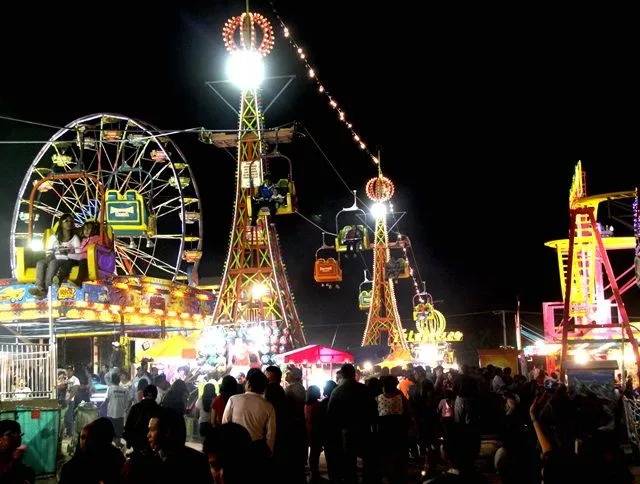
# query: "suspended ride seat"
[[327, 270], [397, 269], [100, 259], [420, 312], [355, 236], [364, 299], [127, 214], [287, 189]]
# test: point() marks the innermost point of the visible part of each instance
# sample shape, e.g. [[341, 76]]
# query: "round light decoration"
[[246, 25], [380, 189]]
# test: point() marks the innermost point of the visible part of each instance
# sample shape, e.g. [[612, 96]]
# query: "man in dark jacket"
[[350, 414]]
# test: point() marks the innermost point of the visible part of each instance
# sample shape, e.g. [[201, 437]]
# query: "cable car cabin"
[[365, 293], [279, 198], [127, 214], [421, 312], [327, 271], [398, 268], [281, 195], [101, 261], [352, 238], [364, 299]]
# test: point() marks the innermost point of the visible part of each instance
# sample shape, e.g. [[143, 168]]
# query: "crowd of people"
[[266, 430]]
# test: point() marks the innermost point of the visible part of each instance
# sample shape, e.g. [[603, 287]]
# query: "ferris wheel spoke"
[[121, 144], [65, 202], [169, 237], [159, 206], [135, 254], [128, 258], [87, 192], [42, 207], [121, 265], [134, 167], [149, 184], [157, 192], [168, 210]]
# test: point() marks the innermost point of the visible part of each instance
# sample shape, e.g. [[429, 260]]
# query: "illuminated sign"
[[422, 337]]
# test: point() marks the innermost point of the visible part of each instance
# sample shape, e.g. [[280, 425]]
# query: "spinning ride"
[[255, 289], [138, 186]]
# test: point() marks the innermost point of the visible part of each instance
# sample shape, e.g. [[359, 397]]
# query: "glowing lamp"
[[378, 210], [258, 291], [245, 69]]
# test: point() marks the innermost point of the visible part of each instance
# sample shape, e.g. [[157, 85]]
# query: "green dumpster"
[[41, 429]]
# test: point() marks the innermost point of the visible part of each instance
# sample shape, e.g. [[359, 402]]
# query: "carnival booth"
[[319, 363], [168, 354]]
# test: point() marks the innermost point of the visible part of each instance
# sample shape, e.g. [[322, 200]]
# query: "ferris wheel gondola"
[[151, 201], [351, 229]]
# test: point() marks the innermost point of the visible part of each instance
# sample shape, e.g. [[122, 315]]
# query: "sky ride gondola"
[[365, 292], [277, 192], [398, 266], [351, 229], [283, 182], [326, 270]]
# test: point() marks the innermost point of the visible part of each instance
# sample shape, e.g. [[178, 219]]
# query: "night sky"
[[480, 114]]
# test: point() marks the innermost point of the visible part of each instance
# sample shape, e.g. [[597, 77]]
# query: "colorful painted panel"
[[131, 300]]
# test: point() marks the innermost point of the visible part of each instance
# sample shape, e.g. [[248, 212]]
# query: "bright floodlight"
[[258, 290], [378, 210], [245, 69]]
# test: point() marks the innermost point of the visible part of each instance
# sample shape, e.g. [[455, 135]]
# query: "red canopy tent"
[[312, 354]]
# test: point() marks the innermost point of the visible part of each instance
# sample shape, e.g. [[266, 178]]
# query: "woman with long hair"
[[228, 388], [204, 404], [62, 251]]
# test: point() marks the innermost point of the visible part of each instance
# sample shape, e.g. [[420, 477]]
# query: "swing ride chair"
[[365, 292], [284, 189], [590, 322], [326, 270], [138, 187], [352, 234]]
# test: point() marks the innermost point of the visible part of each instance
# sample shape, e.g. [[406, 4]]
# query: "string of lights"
[[322, 89]]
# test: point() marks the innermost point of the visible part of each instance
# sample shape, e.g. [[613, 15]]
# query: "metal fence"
[[27, 371]]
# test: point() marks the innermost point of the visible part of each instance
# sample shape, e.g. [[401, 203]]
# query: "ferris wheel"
[[152, 201]]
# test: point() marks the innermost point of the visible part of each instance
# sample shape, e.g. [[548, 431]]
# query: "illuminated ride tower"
[[383, 313], [254, 287], [594, 317]]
